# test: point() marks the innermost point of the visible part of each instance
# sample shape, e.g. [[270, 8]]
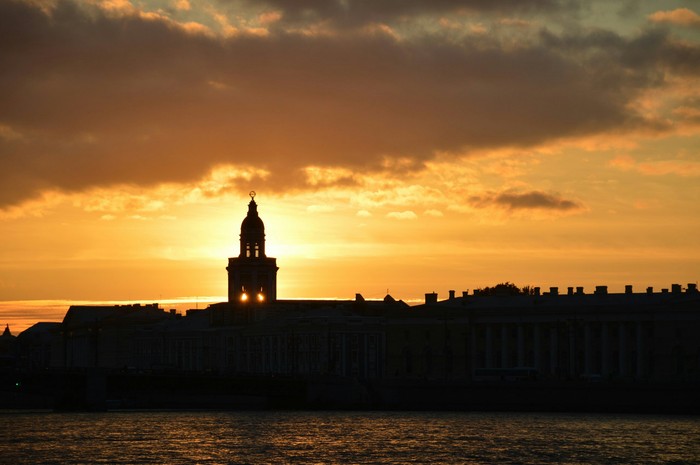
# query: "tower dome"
[[252, 222], [252, 232]]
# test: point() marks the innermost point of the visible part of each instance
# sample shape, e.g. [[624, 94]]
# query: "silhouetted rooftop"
[[572, 301], [78, 315], [40, 328]]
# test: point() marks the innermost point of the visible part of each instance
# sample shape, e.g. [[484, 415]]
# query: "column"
[[587, 347], [640, 350], [472, 355], [247, 355], [573, 360], [605, 349], [504, 346], [622, 333], [489, 347], [553, 350], [521, 345], [536, 347]]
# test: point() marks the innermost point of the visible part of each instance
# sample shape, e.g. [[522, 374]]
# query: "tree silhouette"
[[506, 288]]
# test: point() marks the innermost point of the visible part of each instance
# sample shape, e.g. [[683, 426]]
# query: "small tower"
[[252, 276]]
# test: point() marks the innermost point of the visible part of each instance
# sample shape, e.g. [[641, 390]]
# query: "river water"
[[347, 437]]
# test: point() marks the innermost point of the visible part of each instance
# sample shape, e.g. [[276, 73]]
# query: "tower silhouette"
[[252, 276]]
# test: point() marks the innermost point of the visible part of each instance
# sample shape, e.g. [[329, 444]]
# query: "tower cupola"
[[252, 232], [252, 276]]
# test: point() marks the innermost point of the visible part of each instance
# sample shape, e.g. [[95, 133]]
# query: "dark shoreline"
[[99, 391]]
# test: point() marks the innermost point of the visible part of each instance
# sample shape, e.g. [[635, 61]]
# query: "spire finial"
[[252, 195]]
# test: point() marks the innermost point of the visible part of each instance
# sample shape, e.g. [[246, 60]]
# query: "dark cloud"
[[511, 200], [649, 54], [89, 99], [358, 12]]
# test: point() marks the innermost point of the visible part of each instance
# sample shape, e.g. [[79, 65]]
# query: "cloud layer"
[[352, 13], [94, 98], [531, 200]]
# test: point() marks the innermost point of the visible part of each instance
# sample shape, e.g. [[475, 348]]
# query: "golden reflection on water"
[[346, 437]]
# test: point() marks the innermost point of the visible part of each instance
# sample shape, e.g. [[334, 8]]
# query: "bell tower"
[[252, 276]]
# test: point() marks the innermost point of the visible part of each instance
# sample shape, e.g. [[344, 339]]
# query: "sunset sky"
[[402, 145]]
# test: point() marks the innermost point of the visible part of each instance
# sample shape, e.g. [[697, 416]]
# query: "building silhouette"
[[252, 276], [8, 348], [459, 344]]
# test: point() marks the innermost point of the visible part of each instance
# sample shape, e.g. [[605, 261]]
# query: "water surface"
[[347, 437]]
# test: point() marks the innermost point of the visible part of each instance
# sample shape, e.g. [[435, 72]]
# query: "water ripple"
[[346, 437]]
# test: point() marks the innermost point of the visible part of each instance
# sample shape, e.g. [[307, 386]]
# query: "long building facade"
[[571, 336], [577, 336]]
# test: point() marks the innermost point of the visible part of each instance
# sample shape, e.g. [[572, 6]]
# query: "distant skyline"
[[395, 146]]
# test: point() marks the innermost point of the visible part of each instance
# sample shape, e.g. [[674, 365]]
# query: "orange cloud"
[[183, 5], [124, 8], [326, 176], [679, 16], [113, 95], [684, 168], [404, 215]]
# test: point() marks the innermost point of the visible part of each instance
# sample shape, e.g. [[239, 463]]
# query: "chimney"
[[579, 290], [601, 290], [692, 288], [465, 293], [676, 288], [650, 290], [628, 289], [553, 291], [537, 291], [431, 298], [570, 291], [452, 294]]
